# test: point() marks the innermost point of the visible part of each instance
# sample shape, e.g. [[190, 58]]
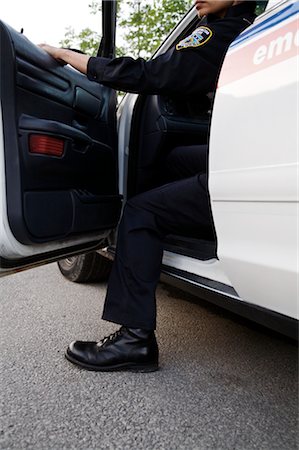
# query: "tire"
[[89, 267]]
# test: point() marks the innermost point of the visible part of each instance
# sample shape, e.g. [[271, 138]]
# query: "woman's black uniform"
[[180, 207]]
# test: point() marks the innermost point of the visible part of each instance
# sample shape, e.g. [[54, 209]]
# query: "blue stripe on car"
[[281, 16]]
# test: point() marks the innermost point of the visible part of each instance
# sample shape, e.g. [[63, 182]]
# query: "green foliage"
[[149, 22], [142, 26], [87, 40], [260, 7], [95, 7]]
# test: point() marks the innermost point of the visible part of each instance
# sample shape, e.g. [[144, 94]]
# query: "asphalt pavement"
[[224, 383]]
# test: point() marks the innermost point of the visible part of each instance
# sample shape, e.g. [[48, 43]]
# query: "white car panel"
[[210, 269], [258, 254], [254, 165], [124, 119]]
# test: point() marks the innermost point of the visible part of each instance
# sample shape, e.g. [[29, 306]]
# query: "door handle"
[[79, 126], [34, 124]]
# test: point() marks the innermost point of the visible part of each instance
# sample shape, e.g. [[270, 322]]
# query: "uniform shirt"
[[190, 67]]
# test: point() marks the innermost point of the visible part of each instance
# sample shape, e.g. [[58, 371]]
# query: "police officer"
[[181, 207]]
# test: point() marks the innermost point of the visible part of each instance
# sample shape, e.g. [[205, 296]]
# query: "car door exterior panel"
[[254, 180], [59, 151]]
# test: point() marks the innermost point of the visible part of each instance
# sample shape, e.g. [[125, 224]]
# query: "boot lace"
[[110, 338]]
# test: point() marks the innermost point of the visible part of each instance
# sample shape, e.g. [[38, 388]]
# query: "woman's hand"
[[57, 53], [65, 56]]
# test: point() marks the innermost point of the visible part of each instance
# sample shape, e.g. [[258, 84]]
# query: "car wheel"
[[85, 268]]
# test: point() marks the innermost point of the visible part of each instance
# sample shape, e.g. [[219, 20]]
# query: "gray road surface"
[[223, 383]]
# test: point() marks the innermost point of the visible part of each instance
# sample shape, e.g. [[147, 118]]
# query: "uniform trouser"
[[180, 207]]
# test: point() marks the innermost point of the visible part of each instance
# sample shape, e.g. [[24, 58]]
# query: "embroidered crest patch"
[[199, 37]]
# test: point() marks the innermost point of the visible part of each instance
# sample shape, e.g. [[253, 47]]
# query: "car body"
[[63, 201]]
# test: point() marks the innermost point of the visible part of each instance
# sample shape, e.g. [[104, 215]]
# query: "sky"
[[46, 21]]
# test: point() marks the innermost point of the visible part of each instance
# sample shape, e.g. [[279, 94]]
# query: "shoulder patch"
[[199, 37]]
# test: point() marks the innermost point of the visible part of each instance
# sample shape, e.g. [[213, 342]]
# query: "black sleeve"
[[189, 70]]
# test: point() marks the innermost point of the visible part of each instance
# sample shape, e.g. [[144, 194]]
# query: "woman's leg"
[[181, 207], [186, 161]]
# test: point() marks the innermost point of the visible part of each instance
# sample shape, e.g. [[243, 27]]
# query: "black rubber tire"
[[89, 267]]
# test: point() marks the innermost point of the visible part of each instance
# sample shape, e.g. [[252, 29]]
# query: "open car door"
[[58, 154]]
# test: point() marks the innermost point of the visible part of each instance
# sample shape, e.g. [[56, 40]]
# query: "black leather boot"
[[126, 349]]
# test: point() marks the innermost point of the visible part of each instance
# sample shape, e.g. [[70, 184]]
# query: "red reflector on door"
[[45, 145]]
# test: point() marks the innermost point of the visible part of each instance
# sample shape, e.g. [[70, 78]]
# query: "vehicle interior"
[[59, 128], [160, 124]]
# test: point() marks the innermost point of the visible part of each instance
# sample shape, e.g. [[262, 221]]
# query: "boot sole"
[[129, 367]]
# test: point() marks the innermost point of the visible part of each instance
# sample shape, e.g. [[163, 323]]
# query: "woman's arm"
[[190, 68], [77, 60]]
